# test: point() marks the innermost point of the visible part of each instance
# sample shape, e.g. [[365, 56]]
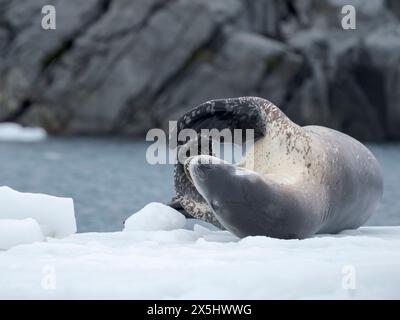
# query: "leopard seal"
[[294, 182]]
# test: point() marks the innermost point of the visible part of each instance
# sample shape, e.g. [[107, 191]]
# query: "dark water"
[[109, 179]]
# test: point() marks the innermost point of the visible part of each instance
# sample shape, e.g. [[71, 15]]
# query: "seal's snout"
[[202, 167], [196, 167], [202, 171]]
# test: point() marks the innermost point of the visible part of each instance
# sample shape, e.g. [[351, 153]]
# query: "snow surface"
[[15, 232], [203, 263], [14, 132], [56, 216]]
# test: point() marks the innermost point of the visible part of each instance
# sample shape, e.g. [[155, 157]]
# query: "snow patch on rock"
[[15, 132]]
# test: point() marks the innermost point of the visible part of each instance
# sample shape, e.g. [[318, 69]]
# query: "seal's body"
[[293, 183]]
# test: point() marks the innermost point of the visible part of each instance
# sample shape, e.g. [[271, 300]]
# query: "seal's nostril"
[[206, 166]]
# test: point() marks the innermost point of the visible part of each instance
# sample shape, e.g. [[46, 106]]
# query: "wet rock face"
[[123, 66]]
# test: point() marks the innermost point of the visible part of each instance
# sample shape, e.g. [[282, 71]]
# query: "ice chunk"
[[55, 215], [155, 216], [15, 232], [15, 132]]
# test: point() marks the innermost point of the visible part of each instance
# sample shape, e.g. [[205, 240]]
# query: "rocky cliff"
[[124, 66]]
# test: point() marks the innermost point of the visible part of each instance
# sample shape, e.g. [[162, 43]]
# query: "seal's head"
[[228, 190], [246, 203]]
